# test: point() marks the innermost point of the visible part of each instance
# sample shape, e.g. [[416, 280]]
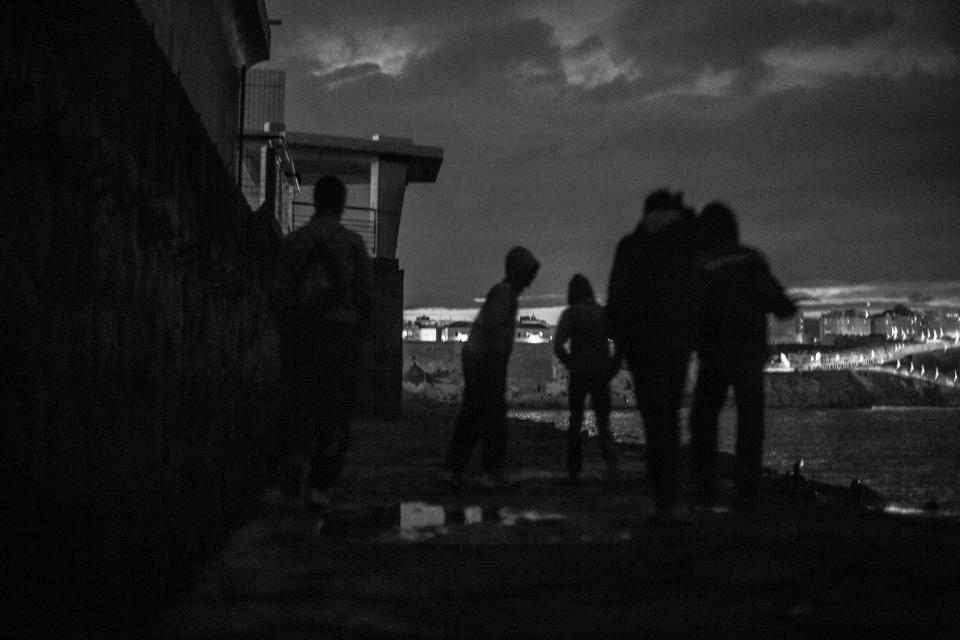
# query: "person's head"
[[329, 196], [579, 290], [663, 200], [718, 226], [663, 207], [521, 268]]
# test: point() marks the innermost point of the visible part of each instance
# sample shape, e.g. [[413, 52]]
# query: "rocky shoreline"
[[431, 372], [820, 389]]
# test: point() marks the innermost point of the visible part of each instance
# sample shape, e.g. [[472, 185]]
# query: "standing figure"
[[737, 291], [324, 298], [651, 304], [591, 365], [483, 414]]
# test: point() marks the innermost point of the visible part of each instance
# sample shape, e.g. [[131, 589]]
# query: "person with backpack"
[[323, 302], [591, 365]]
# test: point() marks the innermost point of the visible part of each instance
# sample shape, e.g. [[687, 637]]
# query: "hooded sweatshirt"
[[491, 336], [737, 291], [651, 298], [584, 324]]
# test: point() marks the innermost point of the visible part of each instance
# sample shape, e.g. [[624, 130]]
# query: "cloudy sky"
[[832, 128]]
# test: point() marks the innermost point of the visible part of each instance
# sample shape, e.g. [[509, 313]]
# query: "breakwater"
[[432, 372]]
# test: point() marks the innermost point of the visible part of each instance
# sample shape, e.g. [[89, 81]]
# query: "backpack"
[[308, 290]]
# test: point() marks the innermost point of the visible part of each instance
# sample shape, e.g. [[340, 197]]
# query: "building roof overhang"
[[246, 29], [350, 158]]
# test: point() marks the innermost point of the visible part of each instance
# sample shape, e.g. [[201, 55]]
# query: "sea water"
[[910, 455]]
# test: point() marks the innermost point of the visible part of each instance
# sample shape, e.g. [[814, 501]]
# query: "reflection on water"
[[910, 455]]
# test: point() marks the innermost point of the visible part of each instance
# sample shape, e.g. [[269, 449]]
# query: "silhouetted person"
[[483, 414], [325, 299], [651, 304], [591, 365], [737, 291]]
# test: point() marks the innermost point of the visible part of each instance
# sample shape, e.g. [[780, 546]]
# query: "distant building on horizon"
[[529, 330], [900, 321], [844, 322], [457, 331], [785, 331], [423, 329], [533, 330], [811, 329], [942, 321]]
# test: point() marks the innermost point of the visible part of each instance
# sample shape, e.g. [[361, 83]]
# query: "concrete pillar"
[[388, 181], [381, 357]]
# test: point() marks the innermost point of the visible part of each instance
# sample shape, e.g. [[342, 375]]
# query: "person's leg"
[[708, 398], [336, 395], [469, 422], [655, 428], [577, 395], [748, 387], [298, 411], [600, 399], [660, 379], [494, 425]]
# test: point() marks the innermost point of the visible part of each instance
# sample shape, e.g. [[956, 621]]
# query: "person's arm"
[[616, 362], [616, 357], [772, 294], [617, 291]]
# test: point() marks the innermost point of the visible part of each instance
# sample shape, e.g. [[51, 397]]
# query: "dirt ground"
[[556, 561]]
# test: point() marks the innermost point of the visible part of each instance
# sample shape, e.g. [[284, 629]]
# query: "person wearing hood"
[[591, 365], [323, 296], [737, 291], [651, 305], [483, 413]]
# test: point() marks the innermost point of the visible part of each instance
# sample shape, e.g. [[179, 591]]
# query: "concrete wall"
[[381, 358], [137, 361], [198, 38]]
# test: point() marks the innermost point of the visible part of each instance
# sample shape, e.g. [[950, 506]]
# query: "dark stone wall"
[[137, 360]]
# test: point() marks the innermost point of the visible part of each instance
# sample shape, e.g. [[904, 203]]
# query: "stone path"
[[565, 562]]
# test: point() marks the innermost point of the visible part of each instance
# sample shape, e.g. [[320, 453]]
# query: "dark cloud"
[[305, 17], [841, 158], [522, 51], [672, 41]]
